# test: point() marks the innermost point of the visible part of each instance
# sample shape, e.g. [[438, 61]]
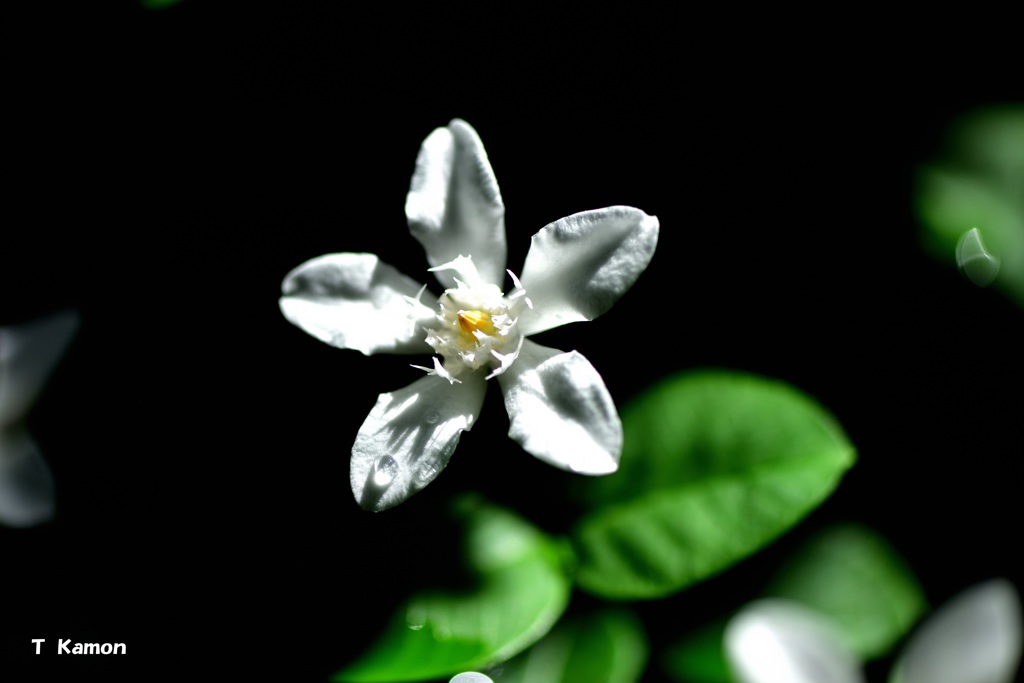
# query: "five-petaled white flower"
[[558, 406]]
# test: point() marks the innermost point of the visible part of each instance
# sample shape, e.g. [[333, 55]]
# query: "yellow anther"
[[471, 321]]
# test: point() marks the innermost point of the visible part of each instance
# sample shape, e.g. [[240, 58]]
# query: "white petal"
[[355, 301], [454, 206], [776, 641], [471, 677], [28, 354], [559, 410], [975, 638], [579, 266], [409, 436], [26, 485]]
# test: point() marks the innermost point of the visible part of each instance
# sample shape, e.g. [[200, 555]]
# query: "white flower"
[[28, 354], [577, 267], [975, 638]]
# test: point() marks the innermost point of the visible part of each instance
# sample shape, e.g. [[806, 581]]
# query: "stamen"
[[475, 325]]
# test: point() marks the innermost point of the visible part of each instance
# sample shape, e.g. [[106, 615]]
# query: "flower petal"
[[409, 436], [776, 641], [355, 301], [26, 485], [454, 207], [560, 411], [471, 677], [579, 266], [975, 638], [28, 354]]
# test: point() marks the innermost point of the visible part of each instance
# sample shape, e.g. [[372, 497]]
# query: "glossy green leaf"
[[699, 657], [607, 647], [519, 590], [715, 466], [853, 577]]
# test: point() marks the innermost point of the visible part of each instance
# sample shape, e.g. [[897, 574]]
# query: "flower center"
[[476, 325]]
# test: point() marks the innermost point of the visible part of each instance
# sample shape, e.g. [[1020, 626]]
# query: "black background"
[[166, 169]]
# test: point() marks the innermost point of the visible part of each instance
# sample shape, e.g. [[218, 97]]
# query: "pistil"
[[473, 322]]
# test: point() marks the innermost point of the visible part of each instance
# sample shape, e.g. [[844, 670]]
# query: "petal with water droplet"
[[409, 436]]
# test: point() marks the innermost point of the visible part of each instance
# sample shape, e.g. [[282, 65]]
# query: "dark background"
[[166, 169]]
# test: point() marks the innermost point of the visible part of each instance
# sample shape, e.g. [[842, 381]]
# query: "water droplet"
[[415, 617], [432, 417], [974, 261], [384, 471]]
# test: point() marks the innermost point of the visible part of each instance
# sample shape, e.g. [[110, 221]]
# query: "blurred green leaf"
[[699, 657], [852, 576], [979, 184], [158, 4], [520, 590], [990, 143], [607, 647], [715, 465]]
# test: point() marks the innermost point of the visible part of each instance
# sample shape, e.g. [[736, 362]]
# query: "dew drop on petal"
[[384, 471], [974, 261], [432, 417]]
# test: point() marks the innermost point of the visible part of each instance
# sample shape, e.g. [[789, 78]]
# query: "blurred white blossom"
[[28, 354], [975, 638], [781, 641]]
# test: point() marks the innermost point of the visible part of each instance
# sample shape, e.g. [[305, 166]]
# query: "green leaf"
[[715, 465], [851, 575], [990, 142], [607, 647], [158, 4], [699, 657], [519, 590]]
